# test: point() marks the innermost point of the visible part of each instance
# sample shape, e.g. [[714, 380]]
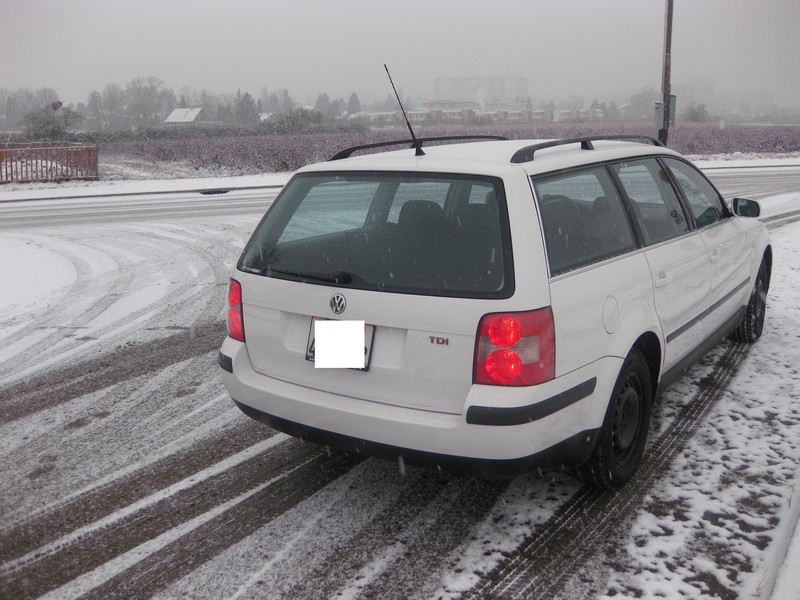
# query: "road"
[[128, 473], [755, 182]]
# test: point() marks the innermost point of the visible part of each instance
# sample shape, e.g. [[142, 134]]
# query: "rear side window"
[[583, 218], [653, 200], [703, 199], [429, 234]]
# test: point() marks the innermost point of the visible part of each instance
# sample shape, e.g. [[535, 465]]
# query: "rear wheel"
[[752, 324], [622, 439]]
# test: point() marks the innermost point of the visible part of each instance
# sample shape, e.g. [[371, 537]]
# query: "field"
[[287, 152]]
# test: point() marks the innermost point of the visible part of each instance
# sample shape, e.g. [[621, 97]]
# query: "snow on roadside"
[[35, 276], [15, 192], [745, 160], [720, 522], [788, 584], [124, 176]]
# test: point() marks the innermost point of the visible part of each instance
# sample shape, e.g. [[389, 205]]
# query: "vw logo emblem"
[[338, 304]]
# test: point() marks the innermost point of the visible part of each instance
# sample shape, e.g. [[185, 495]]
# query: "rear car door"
[[725, 238], [678, 259], [585, 225]]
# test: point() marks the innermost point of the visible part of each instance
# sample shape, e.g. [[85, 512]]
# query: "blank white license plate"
[[369, 334]]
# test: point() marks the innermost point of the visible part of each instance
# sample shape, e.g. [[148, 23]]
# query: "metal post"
[[663, 133]]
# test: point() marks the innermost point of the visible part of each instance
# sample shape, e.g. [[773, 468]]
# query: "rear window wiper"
[[331, 277]]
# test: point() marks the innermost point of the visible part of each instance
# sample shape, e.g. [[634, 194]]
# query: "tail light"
[[516, 349], [235, 317]]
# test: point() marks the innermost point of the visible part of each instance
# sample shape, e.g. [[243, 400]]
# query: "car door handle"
[[662, 280], [714, 255]]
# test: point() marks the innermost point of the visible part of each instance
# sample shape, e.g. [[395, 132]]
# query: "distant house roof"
[[264, 116], [183, 115]]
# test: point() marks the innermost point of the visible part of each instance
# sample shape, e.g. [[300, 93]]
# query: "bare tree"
[[18, 104], [50, 122], [95, 112], [46, 96], [114, 106], [143, 95]]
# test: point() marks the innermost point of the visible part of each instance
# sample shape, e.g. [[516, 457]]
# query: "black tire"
[[752, 324], [623, 436]]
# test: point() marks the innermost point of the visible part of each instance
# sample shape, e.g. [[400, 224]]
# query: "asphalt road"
[[128, 473]]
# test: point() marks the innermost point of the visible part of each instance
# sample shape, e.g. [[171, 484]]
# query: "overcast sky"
[[587, 48]]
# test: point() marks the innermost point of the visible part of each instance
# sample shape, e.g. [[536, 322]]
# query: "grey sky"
[[587, 48]]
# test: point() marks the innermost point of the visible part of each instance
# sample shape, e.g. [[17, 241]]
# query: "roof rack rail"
[[526, 154], [348, 151]]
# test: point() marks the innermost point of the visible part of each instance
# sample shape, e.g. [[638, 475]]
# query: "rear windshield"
[[430, 234]]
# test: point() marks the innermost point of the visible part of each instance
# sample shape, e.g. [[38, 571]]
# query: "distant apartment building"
[[490, 88]]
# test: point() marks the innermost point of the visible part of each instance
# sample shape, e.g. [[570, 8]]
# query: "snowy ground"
[[720, 518]]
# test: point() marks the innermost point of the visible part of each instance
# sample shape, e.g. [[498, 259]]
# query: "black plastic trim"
[[568, 453], [414, 143], [684, 328], [676, 372], [526, 154], [519, 415], [226, 362]]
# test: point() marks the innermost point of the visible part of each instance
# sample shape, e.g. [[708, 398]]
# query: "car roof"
[[493, 157]]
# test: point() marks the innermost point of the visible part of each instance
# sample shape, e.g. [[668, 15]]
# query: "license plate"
[[369, 334]]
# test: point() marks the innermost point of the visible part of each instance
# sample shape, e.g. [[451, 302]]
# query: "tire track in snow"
[[215, 303], [389, 533], [571, 535], [189, 302], [591, 521], [151, 516], [45, 526], [56, 341], [107, 435], [154, 564], [402, 569], [44, 317], [782, 219], [57, 386]]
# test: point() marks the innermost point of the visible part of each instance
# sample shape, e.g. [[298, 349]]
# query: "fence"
[[48, 163]]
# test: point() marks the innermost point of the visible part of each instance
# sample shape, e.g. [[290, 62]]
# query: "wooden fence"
[[33, 163]]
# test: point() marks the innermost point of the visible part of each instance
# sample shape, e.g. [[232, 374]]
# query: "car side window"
[[584, 219], [655, 205], [702, 197]]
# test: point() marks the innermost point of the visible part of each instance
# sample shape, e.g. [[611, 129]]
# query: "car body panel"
[[418, 393], [424, 430]]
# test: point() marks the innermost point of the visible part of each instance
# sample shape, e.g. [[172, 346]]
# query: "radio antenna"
[[417, 145]]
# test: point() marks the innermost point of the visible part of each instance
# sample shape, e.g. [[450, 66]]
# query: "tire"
[[623, 436], [752, 324]]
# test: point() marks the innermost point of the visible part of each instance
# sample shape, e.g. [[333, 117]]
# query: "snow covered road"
[[127, 472]]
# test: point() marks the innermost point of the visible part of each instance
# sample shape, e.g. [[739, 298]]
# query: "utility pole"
[[663, 133]]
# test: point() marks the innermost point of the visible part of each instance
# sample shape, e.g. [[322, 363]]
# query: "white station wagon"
[[523, 302]]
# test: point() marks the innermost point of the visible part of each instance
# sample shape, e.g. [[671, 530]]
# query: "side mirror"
[[746, 208]]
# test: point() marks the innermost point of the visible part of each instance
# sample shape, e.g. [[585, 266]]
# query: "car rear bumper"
[[569, 452], [550, 427]]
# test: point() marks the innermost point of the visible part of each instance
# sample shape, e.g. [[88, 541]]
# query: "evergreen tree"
[[323, 104], [245, 108], [353, 104]]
